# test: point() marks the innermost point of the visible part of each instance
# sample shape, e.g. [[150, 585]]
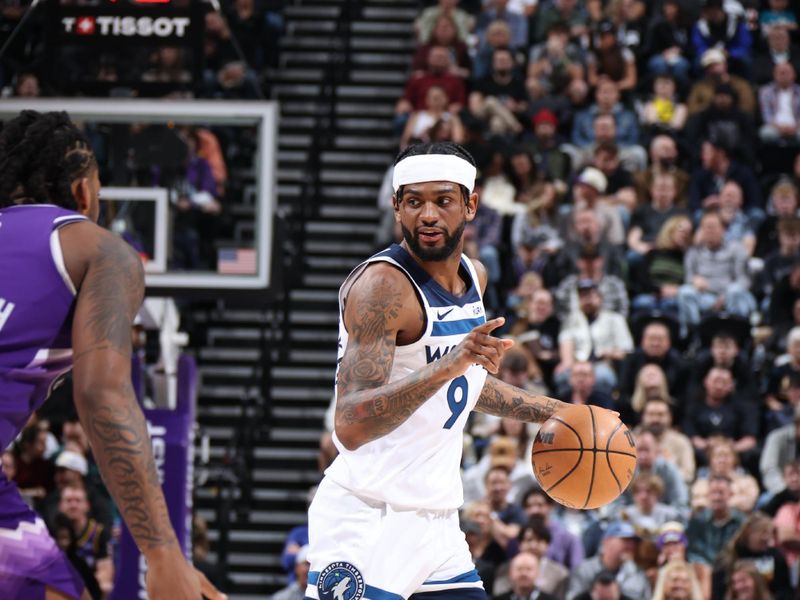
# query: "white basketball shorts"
[[360, 549]]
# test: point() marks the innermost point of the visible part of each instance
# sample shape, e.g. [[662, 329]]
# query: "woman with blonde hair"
[[662, 273], [724, 460], [651, 382], [754, 543], [677, 581], [746, 583]]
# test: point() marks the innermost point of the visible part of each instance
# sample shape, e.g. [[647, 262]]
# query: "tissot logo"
[[127, 26], [85, 26]]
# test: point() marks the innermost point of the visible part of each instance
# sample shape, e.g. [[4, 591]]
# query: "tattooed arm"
[[109, 277], [504, 400], [381, 305]]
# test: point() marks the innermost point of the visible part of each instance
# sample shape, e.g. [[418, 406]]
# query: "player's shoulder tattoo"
[[114, 287]]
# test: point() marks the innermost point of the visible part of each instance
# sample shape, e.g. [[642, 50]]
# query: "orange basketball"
[[584, 457]]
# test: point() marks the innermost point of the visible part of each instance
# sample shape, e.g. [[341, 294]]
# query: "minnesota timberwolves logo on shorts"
[[340, 581]]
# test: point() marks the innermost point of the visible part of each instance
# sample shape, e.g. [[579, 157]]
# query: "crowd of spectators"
[[638, 178], [51, 464]]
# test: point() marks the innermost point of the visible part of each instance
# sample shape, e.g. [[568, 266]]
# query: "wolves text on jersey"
[[433, 353]]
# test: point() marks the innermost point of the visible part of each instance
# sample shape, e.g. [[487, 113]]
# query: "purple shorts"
[[30, 560]]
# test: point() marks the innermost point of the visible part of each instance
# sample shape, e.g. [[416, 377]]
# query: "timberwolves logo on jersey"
[[340, 581]]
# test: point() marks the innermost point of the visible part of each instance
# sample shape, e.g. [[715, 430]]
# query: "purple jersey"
[[37, 299], [36, 303]]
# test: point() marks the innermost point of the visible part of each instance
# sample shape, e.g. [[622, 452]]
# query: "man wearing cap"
[[71, 469], [615, 556], [716, 29], [672, 542], [546, 145], [415, 353], [715, 66], [296, 589], [588, 190], [593, 334]]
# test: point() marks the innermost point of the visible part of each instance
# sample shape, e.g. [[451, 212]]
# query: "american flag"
[[237, 261]]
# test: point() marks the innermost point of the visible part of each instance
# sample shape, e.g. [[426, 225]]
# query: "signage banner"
[[117, 25], [172, 434]]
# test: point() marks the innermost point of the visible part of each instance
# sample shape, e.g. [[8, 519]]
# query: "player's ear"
[[82, 193], [472, 206], [396, 207]]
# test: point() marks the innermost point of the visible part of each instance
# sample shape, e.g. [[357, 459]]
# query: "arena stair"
[[279, 414]]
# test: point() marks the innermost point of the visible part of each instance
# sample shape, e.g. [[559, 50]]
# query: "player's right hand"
[[480, 348]]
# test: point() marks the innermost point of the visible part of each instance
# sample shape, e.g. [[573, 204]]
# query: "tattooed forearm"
[[108, 298], [367, 408], [503, 400], [121, 446], [381, 411]]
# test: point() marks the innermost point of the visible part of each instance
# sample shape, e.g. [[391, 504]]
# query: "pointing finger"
[[490, 325]]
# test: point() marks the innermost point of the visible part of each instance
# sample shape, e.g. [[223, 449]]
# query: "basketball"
[[584, 457]]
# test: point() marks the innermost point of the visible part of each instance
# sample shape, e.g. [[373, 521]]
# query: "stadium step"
[[265, 389]]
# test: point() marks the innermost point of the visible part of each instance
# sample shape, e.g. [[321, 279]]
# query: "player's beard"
[[434, 254]]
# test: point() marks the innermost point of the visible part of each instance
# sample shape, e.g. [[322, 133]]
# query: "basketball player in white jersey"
[[415, 357]]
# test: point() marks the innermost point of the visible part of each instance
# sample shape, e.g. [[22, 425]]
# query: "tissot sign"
[[87, 25], [102, 47], [115, 26]]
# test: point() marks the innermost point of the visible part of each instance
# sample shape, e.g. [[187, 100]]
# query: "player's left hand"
[[207, 588], [171, 577]]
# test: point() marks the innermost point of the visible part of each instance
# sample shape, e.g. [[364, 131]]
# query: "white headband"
[[434, 167]]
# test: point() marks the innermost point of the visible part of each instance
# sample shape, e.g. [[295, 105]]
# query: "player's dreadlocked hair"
[[436, 148], [41, 154]]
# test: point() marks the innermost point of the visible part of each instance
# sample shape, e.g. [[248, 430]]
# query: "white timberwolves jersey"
[[417, 464]]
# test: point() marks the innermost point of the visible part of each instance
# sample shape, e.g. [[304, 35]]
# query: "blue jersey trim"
[[435, 294], [374, 593], [468, 577], [443, 328], [371, 592]]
